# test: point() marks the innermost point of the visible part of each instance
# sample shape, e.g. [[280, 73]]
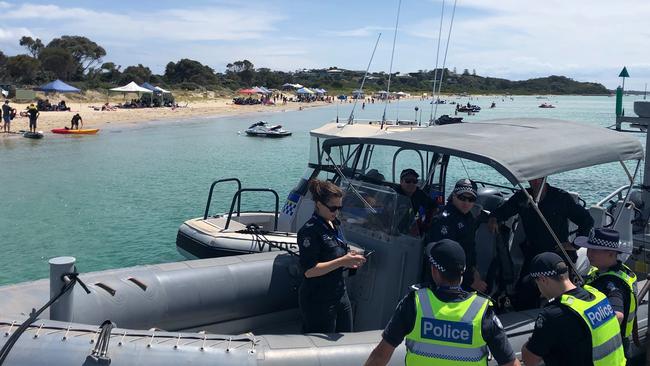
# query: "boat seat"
[[216, 224]]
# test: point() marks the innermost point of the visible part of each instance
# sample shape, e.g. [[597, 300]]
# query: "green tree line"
[[80, 61]]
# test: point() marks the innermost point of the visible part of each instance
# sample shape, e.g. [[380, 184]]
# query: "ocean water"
[[117, 199]]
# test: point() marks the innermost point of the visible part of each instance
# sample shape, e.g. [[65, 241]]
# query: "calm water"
[[117, 199]]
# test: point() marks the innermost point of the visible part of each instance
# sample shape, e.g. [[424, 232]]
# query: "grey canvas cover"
[[520, 149]]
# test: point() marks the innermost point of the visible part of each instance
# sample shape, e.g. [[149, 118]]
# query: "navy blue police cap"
[[447, 256]]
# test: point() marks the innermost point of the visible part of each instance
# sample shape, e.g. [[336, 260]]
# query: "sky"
[[587, 40]]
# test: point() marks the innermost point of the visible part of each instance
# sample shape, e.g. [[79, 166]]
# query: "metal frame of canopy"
[[520, 149]]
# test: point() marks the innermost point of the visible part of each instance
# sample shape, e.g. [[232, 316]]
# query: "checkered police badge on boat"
[[290, 204]]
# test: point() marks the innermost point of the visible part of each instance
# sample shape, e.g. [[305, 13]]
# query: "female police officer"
[[324, 302]]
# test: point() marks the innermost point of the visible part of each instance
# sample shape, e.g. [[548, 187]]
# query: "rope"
[[73, 278], [363, 81], [259, 236]]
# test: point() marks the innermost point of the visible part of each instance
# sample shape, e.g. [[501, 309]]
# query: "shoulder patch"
[[496, 321], [306, 243], [444, 230], [539, 323], [610, 286], [460, 225]]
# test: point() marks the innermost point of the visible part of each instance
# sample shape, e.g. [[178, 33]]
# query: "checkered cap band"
[[460, 190], [543, 274], [436, 264], [604, 243]]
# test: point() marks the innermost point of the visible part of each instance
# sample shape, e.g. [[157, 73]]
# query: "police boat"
[[243, 309]]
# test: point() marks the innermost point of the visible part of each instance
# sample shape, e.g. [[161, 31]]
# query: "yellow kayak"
[[66, 131]]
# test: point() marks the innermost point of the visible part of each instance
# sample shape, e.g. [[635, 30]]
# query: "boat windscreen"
[[381, 209]]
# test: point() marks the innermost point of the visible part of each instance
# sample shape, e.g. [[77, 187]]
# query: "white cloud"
[[198, 24], [358, 32]]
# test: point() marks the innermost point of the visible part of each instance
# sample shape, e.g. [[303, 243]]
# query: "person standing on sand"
[[6, 117], [33, 117]]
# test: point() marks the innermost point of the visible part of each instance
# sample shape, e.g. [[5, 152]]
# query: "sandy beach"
[[218, 107]]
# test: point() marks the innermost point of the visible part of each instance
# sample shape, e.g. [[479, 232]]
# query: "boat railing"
[[618, 193], [237, 199], [207, 205]]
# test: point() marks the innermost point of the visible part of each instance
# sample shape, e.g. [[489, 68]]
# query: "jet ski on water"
[[446, 120], [263, 129]]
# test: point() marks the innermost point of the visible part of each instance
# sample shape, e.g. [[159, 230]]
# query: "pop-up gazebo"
[[57, 86]]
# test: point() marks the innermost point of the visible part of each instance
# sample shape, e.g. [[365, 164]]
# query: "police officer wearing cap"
[[324, 255], [456, 222], [443, 324], [577, 326], [423, 207], [611, 277]]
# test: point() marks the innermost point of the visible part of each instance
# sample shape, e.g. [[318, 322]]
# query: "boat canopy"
[[521, 149]]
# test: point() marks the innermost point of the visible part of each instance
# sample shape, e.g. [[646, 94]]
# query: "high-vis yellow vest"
[[629, 277], [447, 333], [606, 342]]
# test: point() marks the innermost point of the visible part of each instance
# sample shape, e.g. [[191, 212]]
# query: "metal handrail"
[[612, 195], [207, 205], [237, 198]]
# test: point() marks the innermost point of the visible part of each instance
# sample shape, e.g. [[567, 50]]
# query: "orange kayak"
[[66, 131]]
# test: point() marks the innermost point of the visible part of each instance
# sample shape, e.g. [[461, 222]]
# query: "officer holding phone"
[[445, 324]]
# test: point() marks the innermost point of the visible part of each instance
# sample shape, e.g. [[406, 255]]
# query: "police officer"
[[456, 222], [443, 324], [577, 327], [611, 277], [558, 208], [323, 299], [423, 207]]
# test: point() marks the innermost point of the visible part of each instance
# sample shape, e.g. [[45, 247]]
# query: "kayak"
[[33, 135], [66, 131]]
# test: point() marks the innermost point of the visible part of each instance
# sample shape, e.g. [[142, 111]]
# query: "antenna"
[[390, 69], [444, 60]]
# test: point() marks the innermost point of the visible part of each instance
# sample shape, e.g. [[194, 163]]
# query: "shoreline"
[[216, 108]]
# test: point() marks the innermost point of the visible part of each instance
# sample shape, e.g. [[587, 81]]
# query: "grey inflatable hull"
[[231, 299], [199, 238]]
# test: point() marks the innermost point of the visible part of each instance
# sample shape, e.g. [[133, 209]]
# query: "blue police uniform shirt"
[[561, 337], [403, 320], [319, 242]]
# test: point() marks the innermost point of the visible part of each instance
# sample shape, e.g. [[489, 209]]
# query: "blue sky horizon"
[[512, 39]]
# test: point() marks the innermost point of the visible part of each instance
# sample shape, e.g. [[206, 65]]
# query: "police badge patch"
[[443, 230], [306, 243], [460, 225], [539, 323]]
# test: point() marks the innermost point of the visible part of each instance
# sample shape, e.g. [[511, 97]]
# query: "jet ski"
[[446, 120], [263, 129]]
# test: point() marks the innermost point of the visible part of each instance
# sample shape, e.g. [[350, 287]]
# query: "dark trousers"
[[326, 316]]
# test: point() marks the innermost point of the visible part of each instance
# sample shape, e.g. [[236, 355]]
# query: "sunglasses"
[[466, 198], [411, 181], [332, 208]]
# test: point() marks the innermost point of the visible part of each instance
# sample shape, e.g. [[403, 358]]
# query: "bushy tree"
[[191, 71], [86, 52], [33, 46], [23, 68], [139, 74], [58, 61]]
